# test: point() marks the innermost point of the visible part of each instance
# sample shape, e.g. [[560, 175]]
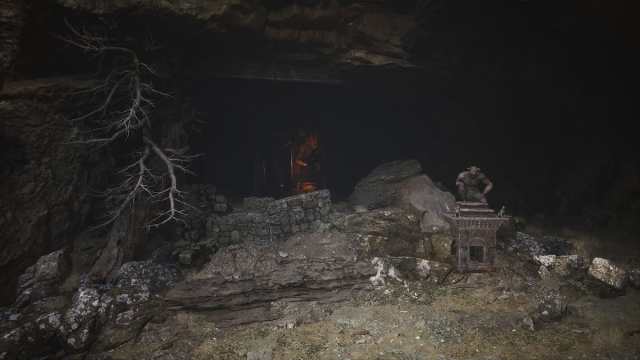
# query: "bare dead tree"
[[126, 102]]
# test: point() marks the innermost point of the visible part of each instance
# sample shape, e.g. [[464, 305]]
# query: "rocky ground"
[[470, 316], [369, 283]]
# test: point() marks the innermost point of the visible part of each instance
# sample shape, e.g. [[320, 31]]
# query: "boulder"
[[384, 232], [132, 302], [385, 270], [124, 318], [544, 273], [549, 304], [31, 339], [43, 278], [98, 317], [421, 194], [378, 189], [401, 184], [434, 271], [77, 325], [411, 268], [608, 273], [563, 265]]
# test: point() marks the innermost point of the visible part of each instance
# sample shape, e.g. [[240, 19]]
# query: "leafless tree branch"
[[123, 85], [126, 107], [171, 192]]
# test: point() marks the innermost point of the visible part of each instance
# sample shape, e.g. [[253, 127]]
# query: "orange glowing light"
[[308, 186]]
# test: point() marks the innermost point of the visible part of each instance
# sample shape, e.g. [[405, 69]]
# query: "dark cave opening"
[[553, 161]]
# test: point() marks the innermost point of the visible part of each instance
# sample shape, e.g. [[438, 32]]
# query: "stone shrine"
[[474, 226]]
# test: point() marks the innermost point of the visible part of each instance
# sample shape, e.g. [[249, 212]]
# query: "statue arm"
[[460, 183], [488, 186]]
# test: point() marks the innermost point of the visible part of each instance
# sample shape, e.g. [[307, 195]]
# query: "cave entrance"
[[264, 138], [256, 133]]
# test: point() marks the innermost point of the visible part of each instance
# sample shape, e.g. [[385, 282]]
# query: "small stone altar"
[[474, 226]]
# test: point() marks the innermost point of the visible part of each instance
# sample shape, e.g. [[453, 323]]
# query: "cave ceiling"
[[311, 41]]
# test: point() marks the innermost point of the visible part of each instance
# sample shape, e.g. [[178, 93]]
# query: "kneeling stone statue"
[[469, 184]]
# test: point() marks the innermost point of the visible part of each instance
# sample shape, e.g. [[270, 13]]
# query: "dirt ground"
[[460, 322]]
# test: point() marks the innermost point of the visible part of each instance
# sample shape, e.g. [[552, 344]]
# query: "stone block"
[[608, 273], [309, 204]]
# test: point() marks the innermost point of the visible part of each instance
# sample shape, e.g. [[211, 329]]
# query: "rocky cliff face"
[[44, 183]]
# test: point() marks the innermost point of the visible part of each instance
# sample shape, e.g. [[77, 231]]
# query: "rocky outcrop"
[[98, 317], [132, 302], [42, 279], [401, 184], [238, 284], [383, 232], [240, 281]]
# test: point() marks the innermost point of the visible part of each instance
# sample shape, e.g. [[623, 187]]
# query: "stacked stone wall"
[[271, 220]]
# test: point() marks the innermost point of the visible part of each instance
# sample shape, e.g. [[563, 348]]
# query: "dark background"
[[539, 94]]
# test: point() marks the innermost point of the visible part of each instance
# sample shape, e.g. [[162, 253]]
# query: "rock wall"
[[268, 221], [44, 184], [12, 16]]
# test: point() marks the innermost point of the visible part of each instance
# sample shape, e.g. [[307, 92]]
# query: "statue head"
[[474, 170]]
